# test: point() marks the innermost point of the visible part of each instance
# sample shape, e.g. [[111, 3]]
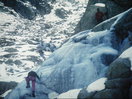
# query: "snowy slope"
[[20, 38], [75, 65]]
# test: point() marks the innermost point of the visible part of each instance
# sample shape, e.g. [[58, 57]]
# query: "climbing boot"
[[33, 93], [28, 86]]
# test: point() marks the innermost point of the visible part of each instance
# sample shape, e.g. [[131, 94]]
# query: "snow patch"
[[53, 95], [100, 4], [71, 94], [97, 85]]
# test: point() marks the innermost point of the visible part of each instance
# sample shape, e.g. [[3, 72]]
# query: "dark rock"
[[26, 11], [11, 50], [4, 86], [130, 37], [130, 92], [6, 42], [9, 3], [61, 13], [120, 68], [10, 55], [121, 29], [107, 59], [125, 45], [42, 6], [17, 62], [123, 26], [1, 97], [118, 83], [108, 94], [83, 94], [34, 59], [1, 62], [88, 20], [48, 26], [124, 3], [29, 8], [9, 62], [105, 25]]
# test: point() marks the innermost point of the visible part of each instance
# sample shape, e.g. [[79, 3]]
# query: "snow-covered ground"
[[20, 38]]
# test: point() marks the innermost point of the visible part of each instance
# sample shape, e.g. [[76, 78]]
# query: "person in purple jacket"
[[31, 77]]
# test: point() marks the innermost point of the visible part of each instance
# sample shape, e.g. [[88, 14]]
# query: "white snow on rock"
[[53, 95], [6, 93], [71, 94], [97, 85]]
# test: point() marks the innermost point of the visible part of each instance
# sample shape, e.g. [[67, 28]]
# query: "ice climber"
[[31, 77], [99, 16]]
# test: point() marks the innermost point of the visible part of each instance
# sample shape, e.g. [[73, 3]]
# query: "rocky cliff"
[[109, 7], [29, 8], [118, 85]]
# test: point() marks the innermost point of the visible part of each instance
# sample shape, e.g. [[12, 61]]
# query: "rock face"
[[123, 24], [119, 69], [28, 8], [118, 85], [83, 94], [61, 13], [121, 79], [88, 20], [105, 25], [122, 30], [130, 91], [124, 3], [119, 74], [108, 94], [4, 86]]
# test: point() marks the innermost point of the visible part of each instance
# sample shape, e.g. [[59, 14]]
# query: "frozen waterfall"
[[75, 65]]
